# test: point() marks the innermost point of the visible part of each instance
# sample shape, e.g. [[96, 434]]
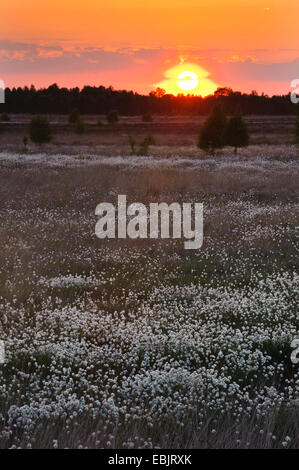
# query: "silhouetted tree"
[[40, 130], [100, 100], [237, 134], [223, 91], [158, 93], [212, 132]]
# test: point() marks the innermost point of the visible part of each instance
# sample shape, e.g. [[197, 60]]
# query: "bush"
[[147, 117], [212, 133], [112, 117], [4, 117], [74, 116], [79, 127], [40, 130], [236, 132], [25, 144], [132, 143], [144, 145], [147, 141]]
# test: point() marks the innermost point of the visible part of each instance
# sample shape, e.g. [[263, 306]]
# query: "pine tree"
[[212, 133], [40, 130], [237, 134]]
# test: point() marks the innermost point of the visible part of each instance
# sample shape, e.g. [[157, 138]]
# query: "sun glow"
[[187, 80]]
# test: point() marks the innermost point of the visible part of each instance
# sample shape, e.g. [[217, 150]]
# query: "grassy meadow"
[[141, 343]]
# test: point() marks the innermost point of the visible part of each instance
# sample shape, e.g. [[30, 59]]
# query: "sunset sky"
[[139, 45]]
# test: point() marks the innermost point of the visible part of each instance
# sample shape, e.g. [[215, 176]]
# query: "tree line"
[[101, 100]]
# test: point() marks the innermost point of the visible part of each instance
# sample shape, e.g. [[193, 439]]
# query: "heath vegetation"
[[140, 343]]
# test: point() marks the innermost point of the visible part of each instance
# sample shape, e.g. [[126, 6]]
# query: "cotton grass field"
[[140, 343]]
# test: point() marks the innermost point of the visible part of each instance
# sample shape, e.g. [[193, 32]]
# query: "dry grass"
[[47, 233]]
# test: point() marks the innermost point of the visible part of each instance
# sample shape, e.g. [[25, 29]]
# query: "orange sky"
[[132, 44]]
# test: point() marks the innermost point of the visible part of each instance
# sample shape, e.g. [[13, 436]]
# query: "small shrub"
[[79, 127], [112, 117], [147, 117], [212, 133], [40, 130], [83, 157], [25, 144], [132, 143], [74, 116], [236, 132], [145, 144], [4, 117]]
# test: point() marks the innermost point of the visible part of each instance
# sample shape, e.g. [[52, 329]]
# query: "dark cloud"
[[149, 64], [18, 58], [249, 70]]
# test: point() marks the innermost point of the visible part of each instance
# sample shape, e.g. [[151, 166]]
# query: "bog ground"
[[141, 343]]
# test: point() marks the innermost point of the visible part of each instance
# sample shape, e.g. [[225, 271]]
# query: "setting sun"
[[187, 80]]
